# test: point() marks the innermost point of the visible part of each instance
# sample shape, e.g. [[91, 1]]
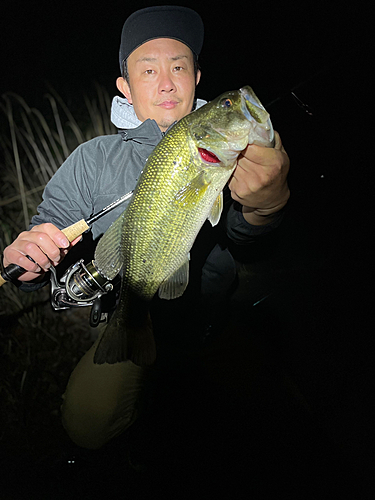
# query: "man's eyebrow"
[[153, 59], [176, 58], [146, 59]]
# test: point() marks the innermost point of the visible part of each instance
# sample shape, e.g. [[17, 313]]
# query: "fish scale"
[[177, 191], [156, 208]]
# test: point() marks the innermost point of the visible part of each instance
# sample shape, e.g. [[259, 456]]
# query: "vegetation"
[[39, 347]]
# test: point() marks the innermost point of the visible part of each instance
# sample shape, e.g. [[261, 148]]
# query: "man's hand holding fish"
[[259, 182]]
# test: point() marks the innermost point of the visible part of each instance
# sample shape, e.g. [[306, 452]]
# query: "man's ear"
[[124, 88], [198, 77]]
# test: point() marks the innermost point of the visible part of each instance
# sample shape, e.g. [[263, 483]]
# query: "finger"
[[37, 244], [57, 236], [13, 256], [249, 177], [258, 155], [26, 262], [43, 249], [243, 188], [262, 155], [52, 242], [77, 240], [253, 175], [64, 251], [38, 254], [278, 143]]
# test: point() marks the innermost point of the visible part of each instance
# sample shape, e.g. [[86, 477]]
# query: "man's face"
[[161, 81]]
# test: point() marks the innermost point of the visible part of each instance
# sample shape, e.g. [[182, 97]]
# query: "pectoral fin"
[[108, 251], [193, 191], [216, 210], [176, 284]]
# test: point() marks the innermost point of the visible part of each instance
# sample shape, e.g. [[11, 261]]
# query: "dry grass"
[[39, 347]]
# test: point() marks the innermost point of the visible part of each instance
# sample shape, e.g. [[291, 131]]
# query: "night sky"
[[273, 46]]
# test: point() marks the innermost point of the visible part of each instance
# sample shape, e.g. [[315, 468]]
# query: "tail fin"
[[128, 336]]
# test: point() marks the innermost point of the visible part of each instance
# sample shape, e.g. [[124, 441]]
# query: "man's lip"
[[168, 104]]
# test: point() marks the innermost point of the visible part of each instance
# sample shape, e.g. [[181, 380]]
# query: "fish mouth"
[[208, 156], [262, 132]]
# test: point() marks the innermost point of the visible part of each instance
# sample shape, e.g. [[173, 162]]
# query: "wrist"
[[261, 216]]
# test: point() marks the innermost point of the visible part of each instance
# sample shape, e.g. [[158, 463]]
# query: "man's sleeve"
[[67, 197], [241, 232]]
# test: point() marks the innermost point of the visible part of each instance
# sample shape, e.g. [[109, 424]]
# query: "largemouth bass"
[[180, 187]]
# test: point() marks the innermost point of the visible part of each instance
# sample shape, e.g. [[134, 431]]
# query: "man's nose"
[[166, 83]]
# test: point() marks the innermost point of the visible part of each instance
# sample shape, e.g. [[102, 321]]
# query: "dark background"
[[271, 45], [319, 317]]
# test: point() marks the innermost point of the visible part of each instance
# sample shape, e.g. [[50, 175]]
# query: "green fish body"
[[180, 187]]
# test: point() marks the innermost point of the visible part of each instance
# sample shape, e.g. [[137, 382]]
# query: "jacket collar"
[[122, 114], [147, 133]]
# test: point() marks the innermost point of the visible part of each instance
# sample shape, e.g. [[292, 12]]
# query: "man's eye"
[[178, 68], [149, 71]]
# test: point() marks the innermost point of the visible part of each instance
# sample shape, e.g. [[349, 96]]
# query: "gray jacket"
[[103, 169]]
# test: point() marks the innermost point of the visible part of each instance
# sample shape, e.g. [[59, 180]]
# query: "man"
[[158, 58]]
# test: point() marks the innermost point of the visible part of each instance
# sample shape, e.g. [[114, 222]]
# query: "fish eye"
[[226, 103]]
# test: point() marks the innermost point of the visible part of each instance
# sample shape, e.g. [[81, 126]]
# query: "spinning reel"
[[81, 285]]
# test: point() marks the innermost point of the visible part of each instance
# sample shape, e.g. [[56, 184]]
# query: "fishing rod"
[[13, 271], [351, 55]]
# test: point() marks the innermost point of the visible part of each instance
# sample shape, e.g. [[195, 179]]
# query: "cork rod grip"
[[13, 272], [75, 230]]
